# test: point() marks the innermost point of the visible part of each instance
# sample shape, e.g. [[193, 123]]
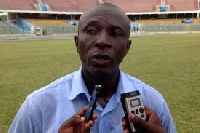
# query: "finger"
[[152, 117], [124, 122], [125, 130], [82, 111], [72, 122], [83, 129], [146, 126], [82, 119], [146, 108], [137, 121], [147, 112], [91, 122], [95, 116], [88, 125]]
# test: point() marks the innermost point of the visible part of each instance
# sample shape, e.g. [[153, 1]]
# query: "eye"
[[92, 30], [117, 33]]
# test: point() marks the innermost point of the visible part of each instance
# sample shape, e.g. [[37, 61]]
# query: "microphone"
[[92, 103]]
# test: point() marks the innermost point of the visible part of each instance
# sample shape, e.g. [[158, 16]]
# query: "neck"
[[109, 83]]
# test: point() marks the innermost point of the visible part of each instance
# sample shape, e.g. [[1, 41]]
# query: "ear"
[[127, 47], [76, 43], [129, 44]]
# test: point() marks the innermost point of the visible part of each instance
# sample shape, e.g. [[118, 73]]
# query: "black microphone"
[[92, 103]]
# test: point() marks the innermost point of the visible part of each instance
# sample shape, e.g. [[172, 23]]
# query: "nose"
[[103, 40]]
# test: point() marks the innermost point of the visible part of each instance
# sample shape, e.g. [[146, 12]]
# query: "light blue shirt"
[[46, 109]]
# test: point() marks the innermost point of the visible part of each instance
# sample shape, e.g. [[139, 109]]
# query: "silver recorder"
[[132, 103]]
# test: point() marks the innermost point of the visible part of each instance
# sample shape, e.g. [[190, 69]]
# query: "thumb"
[[144, 126], [137, 121], [73, 122]]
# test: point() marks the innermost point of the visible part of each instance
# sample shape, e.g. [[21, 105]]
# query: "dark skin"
[[77, 124], [151, 125], [102, 43]]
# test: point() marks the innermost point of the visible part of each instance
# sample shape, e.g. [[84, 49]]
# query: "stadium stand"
[[82, 5], [183, 5], [61, 16], [135, 5], [172, 21], [9, 29], [39, 1], [160, 21], [43, 7], [70, 5], [17, 5], [197, 20], [2, 24], [47, 26], [150, 5], [47, 22]]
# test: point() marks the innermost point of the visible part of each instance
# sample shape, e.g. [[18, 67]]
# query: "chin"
[[101, 73]]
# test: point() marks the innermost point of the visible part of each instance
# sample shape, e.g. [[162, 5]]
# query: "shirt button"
[[111, 128]]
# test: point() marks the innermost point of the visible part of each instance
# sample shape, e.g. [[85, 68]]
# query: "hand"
[[77, 123], [151, 125]]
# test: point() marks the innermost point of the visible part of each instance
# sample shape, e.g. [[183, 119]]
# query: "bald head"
[[103, 40], [105, 11]]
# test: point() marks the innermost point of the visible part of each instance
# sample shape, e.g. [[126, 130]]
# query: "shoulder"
[[139, 85], [55, 86], [151, 97], [41, 105], [53, 92]]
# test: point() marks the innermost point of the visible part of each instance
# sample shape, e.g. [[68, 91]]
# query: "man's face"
[[102, 41]]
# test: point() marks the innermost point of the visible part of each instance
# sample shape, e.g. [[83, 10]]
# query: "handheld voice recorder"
[[132, 103], [92, 103]]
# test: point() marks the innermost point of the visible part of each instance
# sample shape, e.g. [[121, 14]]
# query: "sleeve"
[[167, 120], [25, 121]]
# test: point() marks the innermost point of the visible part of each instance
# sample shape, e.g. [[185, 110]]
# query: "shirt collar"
[[78, 86], [125, 85]]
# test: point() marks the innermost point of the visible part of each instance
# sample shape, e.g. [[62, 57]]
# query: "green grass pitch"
[[169, 63]]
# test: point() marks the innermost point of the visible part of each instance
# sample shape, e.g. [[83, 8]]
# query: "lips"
[[100, 59]]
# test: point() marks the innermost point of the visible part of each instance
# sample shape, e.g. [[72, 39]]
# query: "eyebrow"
[[117, 27], [94, 22], [87, 24], [91, 23]]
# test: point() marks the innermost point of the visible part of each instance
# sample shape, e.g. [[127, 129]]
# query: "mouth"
[[100, 59]]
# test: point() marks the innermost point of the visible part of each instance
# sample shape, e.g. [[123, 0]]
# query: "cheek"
[[120, 55], [84, 47], [82, 51], [121, 49]]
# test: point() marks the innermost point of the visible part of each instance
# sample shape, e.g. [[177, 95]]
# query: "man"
[[102, 43]]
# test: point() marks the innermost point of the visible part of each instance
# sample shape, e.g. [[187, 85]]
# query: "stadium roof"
[[40, 12], [79, 13], [171, 12]]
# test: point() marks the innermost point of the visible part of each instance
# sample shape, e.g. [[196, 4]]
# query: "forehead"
[[106, 14]]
